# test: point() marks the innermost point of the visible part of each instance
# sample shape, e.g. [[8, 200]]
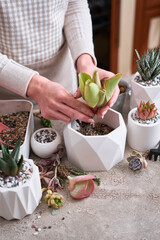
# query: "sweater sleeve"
[[14, 76], [78, 29]]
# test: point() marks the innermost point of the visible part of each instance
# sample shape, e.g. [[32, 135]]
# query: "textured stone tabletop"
[[126, 206]]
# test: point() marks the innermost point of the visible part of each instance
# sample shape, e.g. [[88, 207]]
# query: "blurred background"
[[119, 27]]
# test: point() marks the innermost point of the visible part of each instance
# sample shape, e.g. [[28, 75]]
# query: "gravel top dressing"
[[45, 136], [154, 82], [137, 119], [21, 178]]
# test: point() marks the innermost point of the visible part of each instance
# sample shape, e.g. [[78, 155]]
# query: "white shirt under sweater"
[[36, 34]]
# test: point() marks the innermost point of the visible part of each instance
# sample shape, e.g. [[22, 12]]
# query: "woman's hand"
[[85, 64], [56, 103]]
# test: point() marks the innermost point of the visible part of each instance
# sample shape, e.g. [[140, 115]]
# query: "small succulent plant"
[[136, 161], [148, 65], [10, 164], [146, 110], [54, 199], [92, 91]]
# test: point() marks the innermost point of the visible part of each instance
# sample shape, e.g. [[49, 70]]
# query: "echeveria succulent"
[[146, 110], [92, 90]]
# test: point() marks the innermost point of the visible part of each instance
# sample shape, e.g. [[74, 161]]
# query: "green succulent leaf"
[[4, 167], [15, 151], [97, 80], [102, 98], [83, 77], [110, 85], [91, 94], [5, 153], [20, 164]]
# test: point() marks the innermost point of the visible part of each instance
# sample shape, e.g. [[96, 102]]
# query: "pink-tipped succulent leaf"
[[81, 186], [146, 110]]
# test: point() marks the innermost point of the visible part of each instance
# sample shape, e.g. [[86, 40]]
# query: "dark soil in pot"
[[96, 129], [17, 124]]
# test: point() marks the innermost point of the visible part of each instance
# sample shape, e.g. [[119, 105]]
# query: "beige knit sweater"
[[33, 32]]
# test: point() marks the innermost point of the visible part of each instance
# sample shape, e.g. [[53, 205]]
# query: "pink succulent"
[[81, 186], [146, 110]]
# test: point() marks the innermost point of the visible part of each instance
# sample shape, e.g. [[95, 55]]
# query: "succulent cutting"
[[148, 65], [81, 186], [10, 164], [146, 110], [136, 161], [92, 90]]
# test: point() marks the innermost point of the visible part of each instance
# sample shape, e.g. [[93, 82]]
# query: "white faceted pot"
[[142, 137], [144, 93], [17, 202], [96, 153]]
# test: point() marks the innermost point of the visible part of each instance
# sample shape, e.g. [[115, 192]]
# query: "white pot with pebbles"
[[20, 187], [143, 127], [44, 142], [145, 84]]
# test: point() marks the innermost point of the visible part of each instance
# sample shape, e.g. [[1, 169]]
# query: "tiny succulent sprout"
[[54, 199], [10, 164], [92, 91], [81, 186], [146, 110]]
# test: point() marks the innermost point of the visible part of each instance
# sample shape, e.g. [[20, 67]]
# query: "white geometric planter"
[[96, 153], [17, 202], [144, 93], [13, 106], [142, 137]]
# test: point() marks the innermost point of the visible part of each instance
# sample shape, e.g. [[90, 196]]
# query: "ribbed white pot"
[[96, 153], [17, 202], [142, 137], [144, 93]]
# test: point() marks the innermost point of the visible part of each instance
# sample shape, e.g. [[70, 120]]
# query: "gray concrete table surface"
[[126, 206]]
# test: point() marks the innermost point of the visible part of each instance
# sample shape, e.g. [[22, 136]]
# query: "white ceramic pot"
[[144, 93], [142, 137], [45, 150], [96, 153], [13, 106], [17, 202]]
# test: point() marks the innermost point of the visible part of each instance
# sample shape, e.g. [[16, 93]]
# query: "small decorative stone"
[[54, 212]]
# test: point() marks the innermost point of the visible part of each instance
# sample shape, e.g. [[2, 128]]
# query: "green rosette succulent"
[[92, 91], [10, 164]]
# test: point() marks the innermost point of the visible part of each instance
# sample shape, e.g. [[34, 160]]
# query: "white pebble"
[[39, 229], [39, 216], [35, 233]]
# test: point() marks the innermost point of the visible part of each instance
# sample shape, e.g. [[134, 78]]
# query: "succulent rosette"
[[81, 186], [92, 90], [136, 161], [146, 110]]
